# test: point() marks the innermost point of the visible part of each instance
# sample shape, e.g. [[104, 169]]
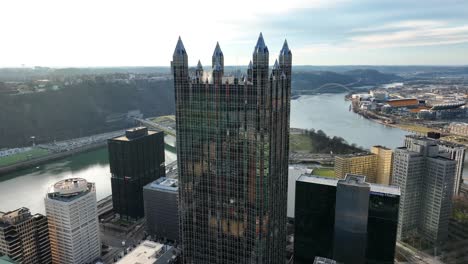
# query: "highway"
[[413, 255]]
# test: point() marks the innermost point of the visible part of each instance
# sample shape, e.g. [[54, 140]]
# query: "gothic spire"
[[217, 66], [276, 66], [261, 47], [217, 52], [285, 50], [180, 49], [199, 65]]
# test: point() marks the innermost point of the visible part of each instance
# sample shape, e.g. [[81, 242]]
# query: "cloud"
[[411, 34]]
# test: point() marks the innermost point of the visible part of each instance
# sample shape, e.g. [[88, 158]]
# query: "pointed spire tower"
[[179, 58], [199, 70], [285, 59], [249, 71], [179, 67], [276, 69], [218, 58], [260, 65], [217, 72]]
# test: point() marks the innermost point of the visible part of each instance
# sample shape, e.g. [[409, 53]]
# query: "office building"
[[449, 150], [71, 209], [24, 237], [348, 220], [135, 159], [426, 179], [161, 209], [359, 163], [384, 164], [232, 155]]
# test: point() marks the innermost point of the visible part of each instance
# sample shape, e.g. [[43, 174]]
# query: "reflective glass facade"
[[135, 160], [232, 154], [356, 224]]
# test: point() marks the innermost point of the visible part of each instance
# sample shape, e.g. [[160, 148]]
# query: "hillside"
[[79, 110]]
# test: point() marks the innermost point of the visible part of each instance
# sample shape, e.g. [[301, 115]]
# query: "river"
[[28, 187], [328, 112]]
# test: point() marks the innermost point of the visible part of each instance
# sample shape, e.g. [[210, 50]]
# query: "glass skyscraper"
[[232, 154], [350, 220], [135, 159]]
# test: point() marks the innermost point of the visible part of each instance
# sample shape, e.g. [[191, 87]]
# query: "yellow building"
[[384, 164], [361, 163]]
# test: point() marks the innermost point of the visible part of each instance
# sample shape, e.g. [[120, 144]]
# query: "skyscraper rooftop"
[[69, 189]]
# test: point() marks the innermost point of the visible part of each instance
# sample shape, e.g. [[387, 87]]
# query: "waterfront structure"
[[161, 208], [71, 210], [135, 159], [358, 163], [384, 164], [232, 155], [449, 150], [347, 220], [426, 180], [24, 237]]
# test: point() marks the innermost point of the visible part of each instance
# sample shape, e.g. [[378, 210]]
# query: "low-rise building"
[[359, 163], [384, 164], [149, 252], [161, 209], [460, 129]]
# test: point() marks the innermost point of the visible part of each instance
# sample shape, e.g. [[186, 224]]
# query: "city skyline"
[[338, 32]]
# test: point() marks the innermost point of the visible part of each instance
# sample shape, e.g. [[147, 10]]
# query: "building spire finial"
[[285, 50], [217, 52], [180, 49], [261, 47]]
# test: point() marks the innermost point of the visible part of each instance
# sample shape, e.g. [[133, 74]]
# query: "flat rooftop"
[[135, 133], [377, 188], [146, 253], [69, 189], [360, 154], [165, 184], [381, 147]]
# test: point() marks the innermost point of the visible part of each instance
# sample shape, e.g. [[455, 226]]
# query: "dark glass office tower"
[[348, 220], [232, 154], [351, 216], [382, 225], [135, 159], [314, 220]]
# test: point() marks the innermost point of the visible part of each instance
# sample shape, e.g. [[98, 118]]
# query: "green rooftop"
[[324, 172]]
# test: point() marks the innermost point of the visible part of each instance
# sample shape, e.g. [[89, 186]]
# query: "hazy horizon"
[[86, 33]]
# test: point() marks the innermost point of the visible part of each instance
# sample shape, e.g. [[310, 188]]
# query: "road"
[[413, 255], [151, 124]]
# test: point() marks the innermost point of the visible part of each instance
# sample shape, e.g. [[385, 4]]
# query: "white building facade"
[[71, 208]]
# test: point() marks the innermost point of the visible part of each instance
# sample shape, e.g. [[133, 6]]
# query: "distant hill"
[[79, 110], [369, 76], [316, 81]]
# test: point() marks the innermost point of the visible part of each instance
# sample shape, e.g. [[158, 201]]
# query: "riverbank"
[[415, 128], [48, 158]]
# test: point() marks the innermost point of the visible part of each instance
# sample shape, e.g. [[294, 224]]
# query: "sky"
[[93, 33]]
